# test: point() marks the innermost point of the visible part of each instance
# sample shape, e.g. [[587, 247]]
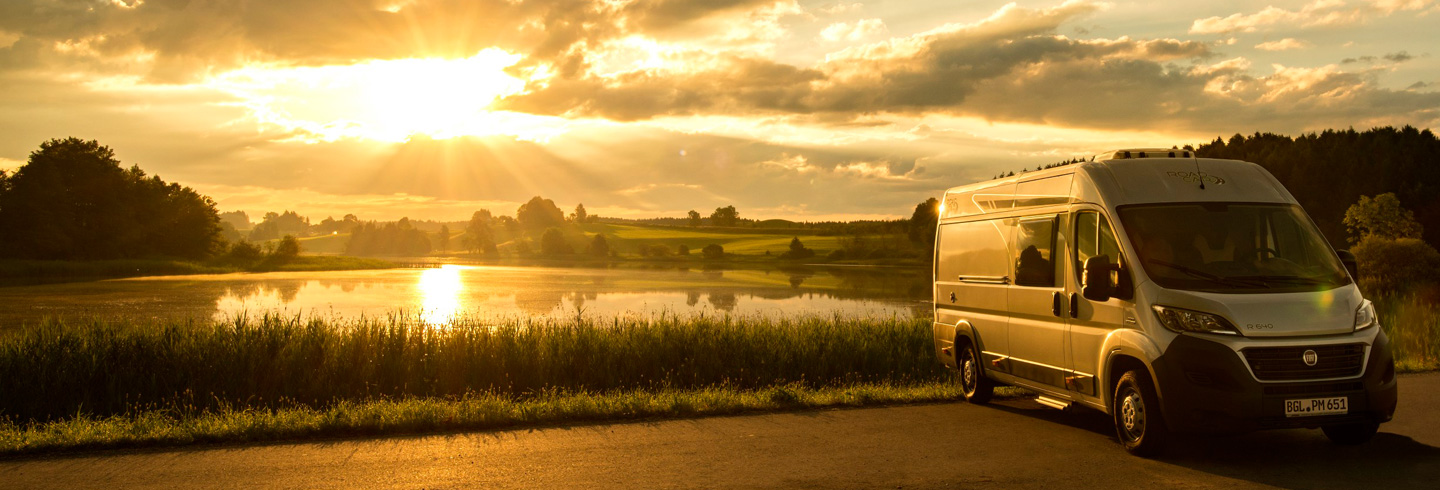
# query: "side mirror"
[[1348, 259], [1096, 283]]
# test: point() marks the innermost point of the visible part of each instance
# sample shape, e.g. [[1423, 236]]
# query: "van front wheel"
[[1138, 420], [977, 388]]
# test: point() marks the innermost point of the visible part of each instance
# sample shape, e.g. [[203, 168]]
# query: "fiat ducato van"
[[1173, 293]]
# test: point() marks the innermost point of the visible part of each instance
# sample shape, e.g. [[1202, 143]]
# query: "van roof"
[[1119, 177]]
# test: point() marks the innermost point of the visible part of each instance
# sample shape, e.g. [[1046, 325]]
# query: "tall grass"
[[1412, 321], [479, 411], [102, 368]]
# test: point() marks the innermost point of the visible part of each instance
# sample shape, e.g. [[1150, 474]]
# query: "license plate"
[[1306, 407]]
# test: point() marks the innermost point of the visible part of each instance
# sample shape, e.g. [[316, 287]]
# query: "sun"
[[387, 100]]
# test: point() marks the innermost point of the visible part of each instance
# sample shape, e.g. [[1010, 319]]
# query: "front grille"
[[1314, 389], [1287, 363]]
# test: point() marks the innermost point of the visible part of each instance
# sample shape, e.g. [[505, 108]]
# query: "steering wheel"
[[1260, 253]]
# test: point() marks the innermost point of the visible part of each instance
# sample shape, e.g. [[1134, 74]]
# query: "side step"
[[1053, 403]]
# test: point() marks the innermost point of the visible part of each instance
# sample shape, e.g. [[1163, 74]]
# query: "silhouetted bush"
[[598, 246], [1388, 266], [553, 243], [713, 251]]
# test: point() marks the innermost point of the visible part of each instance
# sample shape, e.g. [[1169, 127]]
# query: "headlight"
[[1365, 315], [1182, 320]]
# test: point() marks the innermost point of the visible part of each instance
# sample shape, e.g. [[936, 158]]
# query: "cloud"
[[186, 40], [1282, 45], [857, 31], [840, 8], [1320, 13], [1011, 66], [1399, 57]]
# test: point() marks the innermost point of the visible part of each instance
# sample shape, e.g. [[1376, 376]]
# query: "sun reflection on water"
[[440, 293]]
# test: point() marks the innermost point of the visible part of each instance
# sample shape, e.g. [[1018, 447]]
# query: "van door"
[[972, 274], [1037, 318], [1092, 321]]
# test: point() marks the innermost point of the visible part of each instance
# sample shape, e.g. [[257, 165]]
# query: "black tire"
[[1139, 423], [977, 388], [1351, 434]]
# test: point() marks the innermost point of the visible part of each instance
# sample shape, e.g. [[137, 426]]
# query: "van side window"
[[1093, 237], [977, 249], [1034, 252]]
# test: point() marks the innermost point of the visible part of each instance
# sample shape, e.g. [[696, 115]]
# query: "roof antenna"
[[1198, 175]]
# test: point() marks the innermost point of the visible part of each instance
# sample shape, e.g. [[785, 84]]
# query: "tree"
[[399, 238], [683, 249], [726, 216], [922, 226], [579, 216], [599, 247], [229, 233], [553, 243], [797, 250], [288, 248], [479, 238], [713, 251], [73, 200], [274, 225], [540, 213], [237, 219], [694, 218], [442, 240], [1381, 216], [1394, 265]]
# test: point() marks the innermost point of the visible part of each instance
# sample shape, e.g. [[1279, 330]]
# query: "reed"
[[1412, 321], [61, 369]]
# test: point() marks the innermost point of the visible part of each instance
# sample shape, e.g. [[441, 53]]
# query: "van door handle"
[[1074, 305], [1056, 301]]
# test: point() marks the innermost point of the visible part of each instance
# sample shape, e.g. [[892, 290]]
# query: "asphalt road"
[[1012, 443]]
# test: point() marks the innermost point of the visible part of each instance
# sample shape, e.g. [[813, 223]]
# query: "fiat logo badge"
[[1310, 357]]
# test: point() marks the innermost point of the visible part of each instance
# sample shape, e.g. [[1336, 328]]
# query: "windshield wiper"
[[1232, 281]]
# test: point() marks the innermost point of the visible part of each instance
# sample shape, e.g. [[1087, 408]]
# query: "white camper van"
[[1175, 293]]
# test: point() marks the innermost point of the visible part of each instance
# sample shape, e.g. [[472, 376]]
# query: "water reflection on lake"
[[439, 294]]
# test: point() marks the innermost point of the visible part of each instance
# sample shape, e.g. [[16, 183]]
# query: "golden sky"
[[786, 109]]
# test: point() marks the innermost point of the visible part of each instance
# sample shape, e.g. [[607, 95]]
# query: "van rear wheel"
[[977, 388], [1138, 420]]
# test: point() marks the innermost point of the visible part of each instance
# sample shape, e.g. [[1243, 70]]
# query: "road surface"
[[1008, 444]]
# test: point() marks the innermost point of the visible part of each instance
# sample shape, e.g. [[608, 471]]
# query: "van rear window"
[[1034, 252], [977, 249]]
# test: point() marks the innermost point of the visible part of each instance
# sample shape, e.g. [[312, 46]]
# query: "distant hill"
[[1329, 171]]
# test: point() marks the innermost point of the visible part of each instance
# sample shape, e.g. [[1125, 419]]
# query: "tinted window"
[[974, 249], [1034, 252], [1093, 238], [1230, 246]]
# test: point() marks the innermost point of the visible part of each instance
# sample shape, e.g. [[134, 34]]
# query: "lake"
[[440, 293]]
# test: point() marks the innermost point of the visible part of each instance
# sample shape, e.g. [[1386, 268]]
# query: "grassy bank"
[[41, 271], [108, 368], [1412, 320], [428, 415], [108, 384]]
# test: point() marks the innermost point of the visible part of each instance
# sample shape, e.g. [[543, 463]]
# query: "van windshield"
[[1226, 247]]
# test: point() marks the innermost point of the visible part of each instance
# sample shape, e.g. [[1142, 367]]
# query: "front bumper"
[[1205, 387]]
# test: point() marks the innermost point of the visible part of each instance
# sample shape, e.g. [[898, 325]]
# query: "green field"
[[629, 238]]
